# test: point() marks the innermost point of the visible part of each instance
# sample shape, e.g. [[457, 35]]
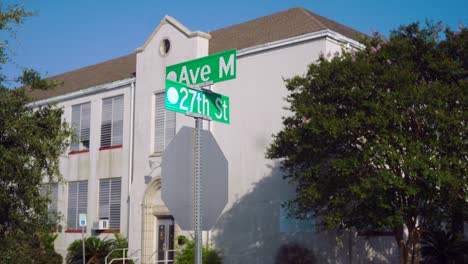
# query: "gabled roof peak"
[[176, 24]]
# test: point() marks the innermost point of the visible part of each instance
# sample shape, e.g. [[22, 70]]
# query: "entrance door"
[[165, 240]]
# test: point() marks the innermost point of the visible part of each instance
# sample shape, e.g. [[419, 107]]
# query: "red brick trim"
[[74, 230], [111, 147], [78, 151], [109, 231]]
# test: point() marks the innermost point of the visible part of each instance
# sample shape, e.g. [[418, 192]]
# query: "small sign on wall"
[[82, 220]]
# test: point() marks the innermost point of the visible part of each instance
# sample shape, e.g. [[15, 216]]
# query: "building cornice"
[[326, 33], [84, 92]]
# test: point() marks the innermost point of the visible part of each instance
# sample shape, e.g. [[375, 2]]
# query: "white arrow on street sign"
[[177, 179]]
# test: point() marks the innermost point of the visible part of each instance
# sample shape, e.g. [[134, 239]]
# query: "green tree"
[[377, 139], [31, 141]]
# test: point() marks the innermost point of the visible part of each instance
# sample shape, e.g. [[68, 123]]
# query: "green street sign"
[[184, 100], [215, 68]]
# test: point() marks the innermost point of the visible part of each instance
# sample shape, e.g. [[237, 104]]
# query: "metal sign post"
[[197, 218], [197, 190], [82, 222], [83, 238]]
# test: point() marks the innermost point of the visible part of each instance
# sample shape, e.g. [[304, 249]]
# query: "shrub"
[[443, 248], [96, 250], [187, 253]]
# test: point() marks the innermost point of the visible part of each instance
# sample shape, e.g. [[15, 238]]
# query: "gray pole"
[[82, 236], [197, 190]]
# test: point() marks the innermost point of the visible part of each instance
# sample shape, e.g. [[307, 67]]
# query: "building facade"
[[113, 169]]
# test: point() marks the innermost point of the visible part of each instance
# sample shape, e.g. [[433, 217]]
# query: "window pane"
[[51, 190], [112, 121], [104, 190], [106, 122], [164, 124], [85, 125], [159, 123], [75, 123], [77, 202], [109, 201], [81, 117], [117, 120]]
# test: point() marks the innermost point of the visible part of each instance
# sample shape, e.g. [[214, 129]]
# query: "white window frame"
[[112, 122], [164, 123], [110, 194], [81, 124]]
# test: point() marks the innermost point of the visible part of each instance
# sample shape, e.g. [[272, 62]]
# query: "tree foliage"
[[186, 255], [31, 141], [377, 138]]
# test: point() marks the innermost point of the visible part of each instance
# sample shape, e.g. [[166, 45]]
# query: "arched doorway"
[[159, 230]]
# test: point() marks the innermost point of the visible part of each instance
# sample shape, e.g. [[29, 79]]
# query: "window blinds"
[[109, 201], [112, 121], [77, 202], [164, 124], [81, 118]]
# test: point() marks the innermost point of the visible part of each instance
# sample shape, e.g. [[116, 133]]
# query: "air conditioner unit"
[[103, 224]]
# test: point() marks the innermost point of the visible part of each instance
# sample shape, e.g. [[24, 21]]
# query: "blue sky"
[[67, 35]]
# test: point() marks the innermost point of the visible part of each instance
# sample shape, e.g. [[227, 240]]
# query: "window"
[[109, 201], [77, 202], [80, 123], [51, 190], [164, 124], [164, 47], [112, 122]]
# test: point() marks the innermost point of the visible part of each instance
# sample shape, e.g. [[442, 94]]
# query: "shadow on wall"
[[253, 230], [250, 231]]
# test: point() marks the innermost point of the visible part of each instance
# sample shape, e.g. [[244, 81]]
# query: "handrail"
[[124, 258], [115, 249], [166, 253], [132, 253]]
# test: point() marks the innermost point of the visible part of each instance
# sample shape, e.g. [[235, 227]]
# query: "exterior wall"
[[93, 166], [249, 229]]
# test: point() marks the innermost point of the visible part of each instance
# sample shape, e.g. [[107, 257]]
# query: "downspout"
[[131, 153]]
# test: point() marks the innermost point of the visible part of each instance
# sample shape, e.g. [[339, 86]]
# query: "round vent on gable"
[[164, 47]]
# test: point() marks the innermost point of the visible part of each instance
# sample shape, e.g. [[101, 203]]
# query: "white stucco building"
[[117, 108]]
